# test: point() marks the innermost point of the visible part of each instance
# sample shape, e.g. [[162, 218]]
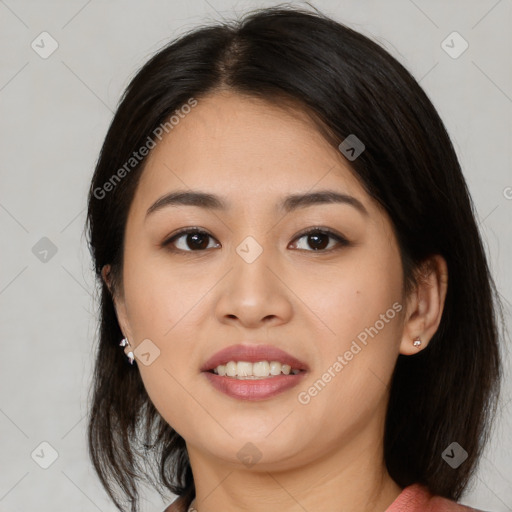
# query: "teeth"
[[231, 369], [261, 369], [243, 369], [275, 368]]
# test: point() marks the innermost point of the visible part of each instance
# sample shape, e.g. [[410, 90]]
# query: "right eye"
[[194, 240]]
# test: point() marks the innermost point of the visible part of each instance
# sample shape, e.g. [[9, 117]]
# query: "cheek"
[[161, 309], [360, 303], [163, 303], [159, 294], [352, 294]]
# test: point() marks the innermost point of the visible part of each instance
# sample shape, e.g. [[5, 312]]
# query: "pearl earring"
[[123, 343], [416, 342]]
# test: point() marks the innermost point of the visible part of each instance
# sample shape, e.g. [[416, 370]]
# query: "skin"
[[328, 454]]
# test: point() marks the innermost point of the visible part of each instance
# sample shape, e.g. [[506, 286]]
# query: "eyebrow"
[[289, 203]]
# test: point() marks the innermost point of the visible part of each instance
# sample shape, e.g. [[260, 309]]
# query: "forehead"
[[247, 148]]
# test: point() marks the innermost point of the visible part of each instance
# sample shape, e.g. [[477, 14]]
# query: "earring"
[[123, 343], [417, 342]]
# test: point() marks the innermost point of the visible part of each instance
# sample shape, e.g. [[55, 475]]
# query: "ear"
[[119, 306], [425, 304]]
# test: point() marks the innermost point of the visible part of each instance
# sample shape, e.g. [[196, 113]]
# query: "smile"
[[258, 370]]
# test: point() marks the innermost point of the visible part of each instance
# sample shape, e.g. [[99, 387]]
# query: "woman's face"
[[255, 278]]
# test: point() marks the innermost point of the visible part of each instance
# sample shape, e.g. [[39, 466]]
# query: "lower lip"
[[254, 389]]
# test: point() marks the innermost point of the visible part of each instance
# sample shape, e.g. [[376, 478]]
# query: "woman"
[[287, 250]]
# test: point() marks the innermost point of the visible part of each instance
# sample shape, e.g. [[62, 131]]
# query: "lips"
[[252, 354]]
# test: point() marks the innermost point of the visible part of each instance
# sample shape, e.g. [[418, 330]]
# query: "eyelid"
[[323, 230]]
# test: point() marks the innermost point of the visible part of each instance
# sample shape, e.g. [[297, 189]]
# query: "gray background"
[[54, 116]]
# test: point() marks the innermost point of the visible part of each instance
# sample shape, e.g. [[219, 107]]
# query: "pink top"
[[417, 498]]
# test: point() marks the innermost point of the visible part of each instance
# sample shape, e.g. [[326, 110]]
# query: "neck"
[[352, 478]]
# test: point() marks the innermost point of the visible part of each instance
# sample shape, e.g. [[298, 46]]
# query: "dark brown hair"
[[347, 84]]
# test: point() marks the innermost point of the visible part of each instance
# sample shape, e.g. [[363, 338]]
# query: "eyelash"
[[343, 242]]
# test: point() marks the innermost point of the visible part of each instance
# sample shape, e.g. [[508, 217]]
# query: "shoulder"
[[417, 498]]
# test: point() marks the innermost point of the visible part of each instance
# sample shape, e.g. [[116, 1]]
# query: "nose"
[[254, 294]]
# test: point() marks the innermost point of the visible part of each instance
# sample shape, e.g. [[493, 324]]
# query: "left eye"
[[319, 239]]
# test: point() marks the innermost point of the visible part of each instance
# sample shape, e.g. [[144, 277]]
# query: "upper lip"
[[252, 354]]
